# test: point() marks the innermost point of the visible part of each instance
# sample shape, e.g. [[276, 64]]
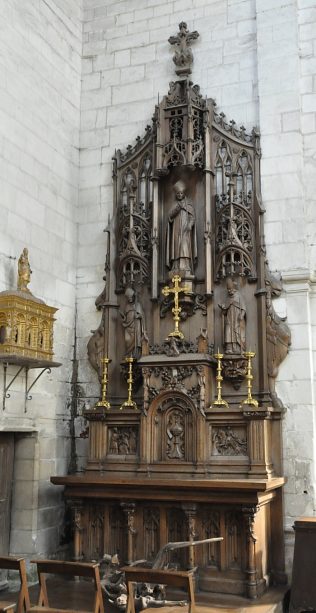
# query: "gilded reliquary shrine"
[[26, 322], [189, 336]]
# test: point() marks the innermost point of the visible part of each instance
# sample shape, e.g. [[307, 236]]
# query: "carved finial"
[[24, 271], [183, 57]]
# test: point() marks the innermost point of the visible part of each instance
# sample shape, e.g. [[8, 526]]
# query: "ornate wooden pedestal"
[[135, 517]]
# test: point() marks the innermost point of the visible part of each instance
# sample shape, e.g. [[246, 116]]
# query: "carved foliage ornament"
[[163, 378]]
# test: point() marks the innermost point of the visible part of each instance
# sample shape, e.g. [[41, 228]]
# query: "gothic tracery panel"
[[151, 520]]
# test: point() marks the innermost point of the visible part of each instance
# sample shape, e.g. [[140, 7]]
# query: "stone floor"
[[78, 596]]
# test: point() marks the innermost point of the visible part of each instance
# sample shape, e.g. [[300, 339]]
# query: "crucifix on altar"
[[176, 310]]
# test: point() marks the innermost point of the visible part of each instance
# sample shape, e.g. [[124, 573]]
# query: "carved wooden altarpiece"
[[187, 203]]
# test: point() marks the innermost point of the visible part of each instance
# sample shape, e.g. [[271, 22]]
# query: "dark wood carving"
[[123, 441], [179, 466], [235, 211], [181, 241], [227, 441], [134, 223], [151, 521], [234, 527], [278, 335], [234, 321], [118, 532], [211, 528]]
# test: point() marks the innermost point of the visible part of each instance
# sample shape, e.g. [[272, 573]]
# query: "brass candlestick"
[[129, 402], [219, 402], [249, 376], [176, 290], [104, 402]]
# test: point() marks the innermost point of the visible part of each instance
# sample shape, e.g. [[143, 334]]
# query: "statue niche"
[[172, 416]]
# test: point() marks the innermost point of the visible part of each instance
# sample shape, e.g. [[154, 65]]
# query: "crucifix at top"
[[183, 56], [176, 290]]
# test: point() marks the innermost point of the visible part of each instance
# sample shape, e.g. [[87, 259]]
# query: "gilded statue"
[[234, 320], [24, 271], [133, 321], [181, 247]]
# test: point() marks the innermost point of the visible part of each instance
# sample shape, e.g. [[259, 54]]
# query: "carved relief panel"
[[229, 441], [122, 440]]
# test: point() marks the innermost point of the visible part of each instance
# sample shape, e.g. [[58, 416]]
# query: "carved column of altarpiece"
[[187, 202]]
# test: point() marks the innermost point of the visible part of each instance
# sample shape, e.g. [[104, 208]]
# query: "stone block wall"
[[40, 68], [286, 76]]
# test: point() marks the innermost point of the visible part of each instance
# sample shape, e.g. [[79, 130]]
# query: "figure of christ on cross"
[[176, 310]]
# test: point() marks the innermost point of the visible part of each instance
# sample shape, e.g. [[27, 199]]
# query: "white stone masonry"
[[40, 71]]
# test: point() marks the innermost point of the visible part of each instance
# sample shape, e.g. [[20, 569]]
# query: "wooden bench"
[[67, 569], [173, 578], [18, 564], [7, 607]]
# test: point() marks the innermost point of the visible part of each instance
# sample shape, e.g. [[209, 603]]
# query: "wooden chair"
[[179, 579], [73, 569], [18, 564]]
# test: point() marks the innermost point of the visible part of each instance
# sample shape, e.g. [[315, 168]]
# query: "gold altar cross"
[[176, 290]]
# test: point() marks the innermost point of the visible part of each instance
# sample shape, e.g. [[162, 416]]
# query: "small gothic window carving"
[[234, 222], [223, 168], [244, 182], [134, 245]]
